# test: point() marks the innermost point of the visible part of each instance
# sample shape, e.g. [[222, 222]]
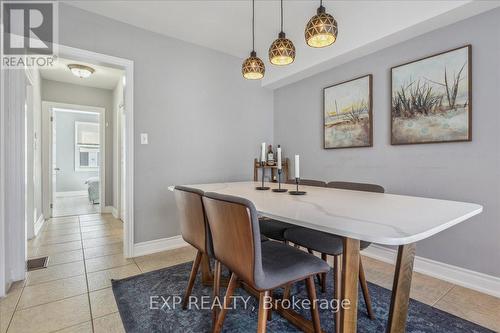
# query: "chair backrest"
[[194, 229], [356, 186], [308, 182], [235, 231]]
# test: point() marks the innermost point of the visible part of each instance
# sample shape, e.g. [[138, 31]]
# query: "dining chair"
[[328, 244], [263, 266], [275, 229], [194, 229]]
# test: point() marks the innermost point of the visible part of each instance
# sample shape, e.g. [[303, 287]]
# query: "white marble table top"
[[375, 217]]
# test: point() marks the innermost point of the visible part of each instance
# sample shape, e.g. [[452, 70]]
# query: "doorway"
[[77, 171]]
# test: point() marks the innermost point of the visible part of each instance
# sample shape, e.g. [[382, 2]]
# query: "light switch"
[[144, 138]]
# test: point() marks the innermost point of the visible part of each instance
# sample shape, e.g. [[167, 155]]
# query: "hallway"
[[74, 205]]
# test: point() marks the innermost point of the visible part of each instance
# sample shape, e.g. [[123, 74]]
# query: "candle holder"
[[297, 192], [262, 188], [279, 189]]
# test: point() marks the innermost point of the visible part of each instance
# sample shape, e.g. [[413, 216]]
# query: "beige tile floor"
[[74, 295], [71, 205]]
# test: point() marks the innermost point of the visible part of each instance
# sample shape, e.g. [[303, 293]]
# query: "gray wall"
[[205, 122], [68, 179], [60, 92], [455, 171]]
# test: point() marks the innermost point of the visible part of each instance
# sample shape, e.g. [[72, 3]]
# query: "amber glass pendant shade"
[[253, 67], [321, 30], [282, 51]]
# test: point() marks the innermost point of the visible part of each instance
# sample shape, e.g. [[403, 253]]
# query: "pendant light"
[[282, 50], [321, 30], [253, 67]]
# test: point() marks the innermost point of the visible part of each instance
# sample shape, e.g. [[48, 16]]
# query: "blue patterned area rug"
[[151, 303]]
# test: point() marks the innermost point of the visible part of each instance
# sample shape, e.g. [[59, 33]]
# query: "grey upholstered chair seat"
[[282, 263], [273, 229], [318, 241]]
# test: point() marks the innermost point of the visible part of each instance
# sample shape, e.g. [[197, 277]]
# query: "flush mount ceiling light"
[[321, 30], [81, 71], [253, 67], [282, 50]]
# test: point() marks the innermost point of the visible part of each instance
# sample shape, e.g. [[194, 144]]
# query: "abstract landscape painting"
[[431, 99], [347, 111]]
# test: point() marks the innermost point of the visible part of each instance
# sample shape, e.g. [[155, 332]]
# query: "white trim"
[[39, 224], [107, 209], [460, 276], [158, 245], [3, 148], [128, 66], [29, 153], [114, 212], [71, 193], [13, 229]]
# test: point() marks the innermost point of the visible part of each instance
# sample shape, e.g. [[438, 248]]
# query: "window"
[[87, 149]]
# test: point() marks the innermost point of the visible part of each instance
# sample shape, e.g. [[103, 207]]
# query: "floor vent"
[[37, 263]]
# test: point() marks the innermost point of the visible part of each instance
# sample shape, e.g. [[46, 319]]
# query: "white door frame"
[[128, 66], [29, 155], [12, 177], [48, 109], [3, 146]]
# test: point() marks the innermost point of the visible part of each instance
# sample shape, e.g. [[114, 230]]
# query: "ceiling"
[[103, 77], [364, 26]]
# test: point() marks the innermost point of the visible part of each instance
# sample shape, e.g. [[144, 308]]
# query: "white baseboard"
[[460, 276], [107, 209], [158, 245], [39, 224], [114, 212], [72, 193]]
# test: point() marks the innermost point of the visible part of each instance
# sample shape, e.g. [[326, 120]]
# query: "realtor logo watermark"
[[166, 303], [29, 36]]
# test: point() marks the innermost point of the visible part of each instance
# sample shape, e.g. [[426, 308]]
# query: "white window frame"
[[77, 147]]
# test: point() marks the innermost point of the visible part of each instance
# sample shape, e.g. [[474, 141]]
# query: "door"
[[54, 168], [123, 174]]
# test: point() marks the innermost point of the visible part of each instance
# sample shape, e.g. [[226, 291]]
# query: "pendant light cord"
[[253, 25], [281, 15]]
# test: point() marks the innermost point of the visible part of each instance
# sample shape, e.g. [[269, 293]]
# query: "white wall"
[[61, 92]]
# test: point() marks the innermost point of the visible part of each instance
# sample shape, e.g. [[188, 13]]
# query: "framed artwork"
[[347, 114], [431, 99]]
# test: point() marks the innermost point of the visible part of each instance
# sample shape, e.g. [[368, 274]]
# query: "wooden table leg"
[[401, 289], [350, 272]]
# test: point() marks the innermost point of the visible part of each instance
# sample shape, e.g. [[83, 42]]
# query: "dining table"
[[381, 218]]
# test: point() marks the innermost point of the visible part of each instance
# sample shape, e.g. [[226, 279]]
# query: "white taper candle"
[[297, 167], [278, 152], [263, 152]]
